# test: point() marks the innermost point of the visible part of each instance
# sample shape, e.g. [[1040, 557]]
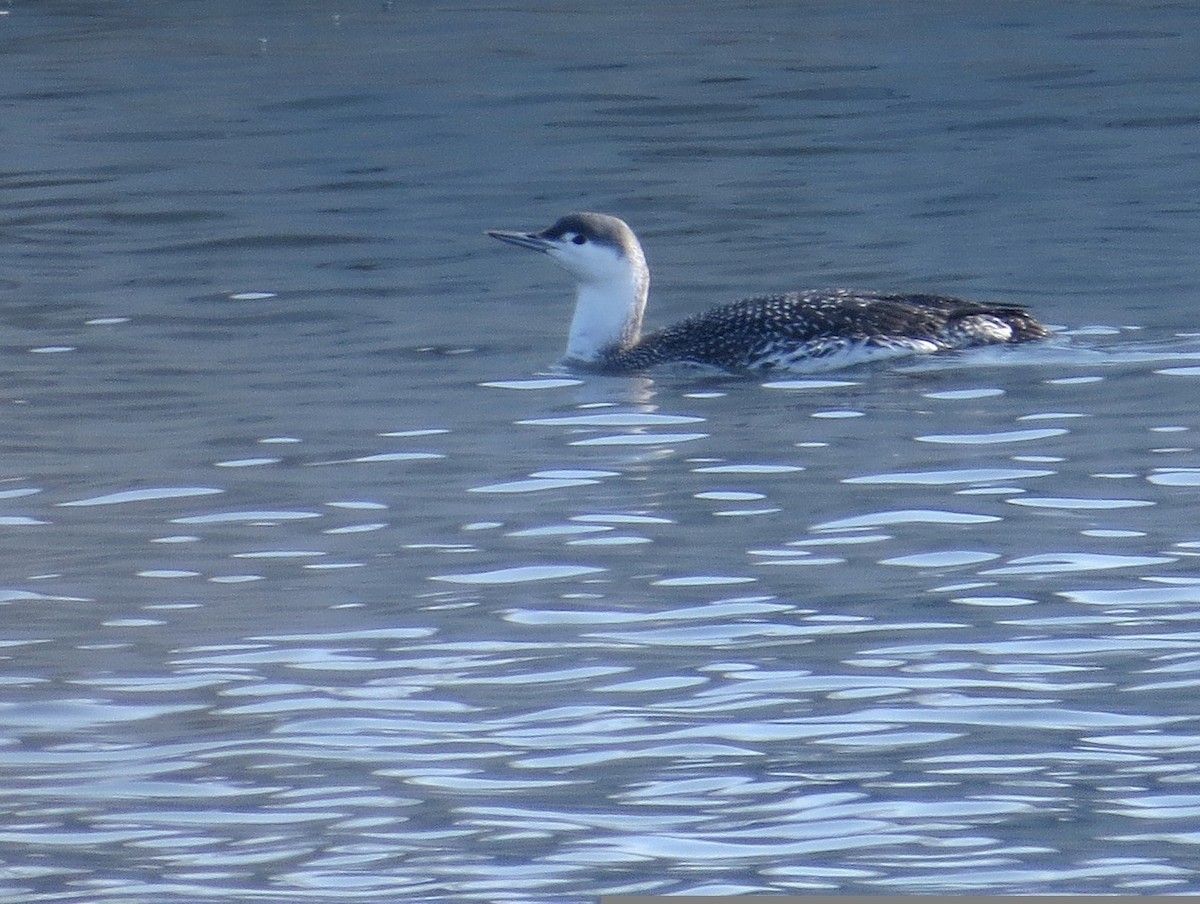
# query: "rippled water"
[[320, 583]]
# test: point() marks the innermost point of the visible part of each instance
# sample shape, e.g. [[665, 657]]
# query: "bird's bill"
[[530, 240]]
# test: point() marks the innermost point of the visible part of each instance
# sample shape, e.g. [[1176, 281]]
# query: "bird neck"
[[608, 315]]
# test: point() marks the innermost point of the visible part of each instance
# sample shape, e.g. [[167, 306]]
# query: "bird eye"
[[579, 239]]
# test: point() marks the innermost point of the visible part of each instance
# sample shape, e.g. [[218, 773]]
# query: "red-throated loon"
[[797, 331]]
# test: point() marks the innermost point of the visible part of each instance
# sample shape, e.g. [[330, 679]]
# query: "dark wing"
[[956, 314], [734, 336]]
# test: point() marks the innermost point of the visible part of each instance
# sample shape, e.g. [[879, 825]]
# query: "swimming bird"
[[795, 331]]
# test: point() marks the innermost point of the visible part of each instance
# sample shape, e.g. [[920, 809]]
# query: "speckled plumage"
[[834, 327], [798, 331]]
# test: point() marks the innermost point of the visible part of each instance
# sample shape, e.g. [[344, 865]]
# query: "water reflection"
[[317, 589]]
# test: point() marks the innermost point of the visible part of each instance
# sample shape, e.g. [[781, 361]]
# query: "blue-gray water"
[[320, 584]]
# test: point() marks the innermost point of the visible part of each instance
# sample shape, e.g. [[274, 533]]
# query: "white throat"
[[605, 317], [608, 314]]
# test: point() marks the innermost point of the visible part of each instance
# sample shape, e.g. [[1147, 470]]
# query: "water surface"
[[321, 583]]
